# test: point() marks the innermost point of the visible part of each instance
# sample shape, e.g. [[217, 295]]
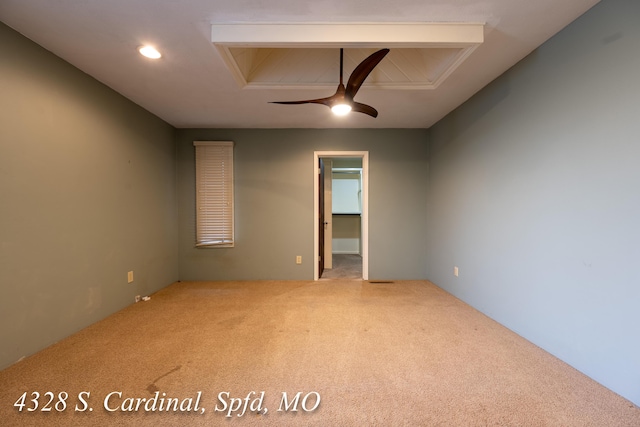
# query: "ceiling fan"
[[342, 102]]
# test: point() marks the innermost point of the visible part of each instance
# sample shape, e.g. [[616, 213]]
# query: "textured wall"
[[87, 193], [534, 195], [274, 202]]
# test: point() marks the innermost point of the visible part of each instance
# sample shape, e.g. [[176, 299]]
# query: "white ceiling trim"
[[246, 50], [411, 34]]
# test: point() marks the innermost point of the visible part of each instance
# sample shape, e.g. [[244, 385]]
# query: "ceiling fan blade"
[[323, 101], [310, 101], [363, 70], [364, 108]]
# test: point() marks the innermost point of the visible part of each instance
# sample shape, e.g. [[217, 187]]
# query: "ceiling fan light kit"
[[341, 109]]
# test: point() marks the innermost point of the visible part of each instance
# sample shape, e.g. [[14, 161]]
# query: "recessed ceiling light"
[[149, 52]]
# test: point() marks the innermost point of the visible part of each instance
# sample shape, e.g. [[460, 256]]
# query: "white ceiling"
[[192, 85]]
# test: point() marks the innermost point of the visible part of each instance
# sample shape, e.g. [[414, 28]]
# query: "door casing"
[[364, 155]]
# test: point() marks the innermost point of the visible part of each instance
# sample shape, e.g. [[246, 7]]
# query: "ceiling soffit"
[[300, 56]]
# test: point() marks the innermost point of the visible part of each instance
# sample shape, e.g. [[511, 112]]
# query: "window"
[[214, 193]]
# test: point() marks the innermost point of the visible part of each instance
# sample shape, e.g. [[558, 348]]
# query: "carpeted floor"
[[392, 354]]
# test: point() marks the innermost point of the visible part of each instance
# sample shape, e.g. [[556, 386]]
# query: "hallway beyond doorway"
[[345, 266]]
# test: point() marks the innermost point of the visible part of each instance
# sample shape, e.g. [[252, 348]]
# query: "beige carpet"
[[404, 353]]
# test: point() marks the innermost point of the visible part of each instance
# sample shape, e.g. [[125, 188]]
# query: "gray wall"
[[274, 202], [534, 193], [87, 193]]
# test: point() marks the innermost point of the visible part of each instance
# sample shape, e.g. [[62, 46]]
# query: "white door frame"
[[365, 207]]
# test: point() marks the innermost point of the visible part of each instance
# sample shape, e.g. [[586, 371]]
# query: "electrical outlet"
[[138, 298], [299, 259], [130, 277], [455, 271]]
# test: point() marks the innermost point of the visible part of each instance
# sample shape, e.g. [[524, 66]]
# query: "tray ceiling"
[[306, 56]]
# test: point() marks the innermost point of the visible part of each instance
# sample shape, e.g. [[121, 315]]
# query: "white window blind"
[[214, 193]]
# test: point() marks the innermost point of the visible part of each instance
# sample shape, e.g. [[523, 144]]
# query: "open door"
[[325, 228], [328, 214], [321, 220]]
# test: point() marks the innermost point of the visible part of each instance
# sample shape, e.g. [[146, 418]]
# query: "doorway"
[[321, 219]]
